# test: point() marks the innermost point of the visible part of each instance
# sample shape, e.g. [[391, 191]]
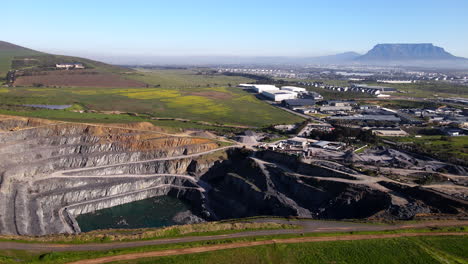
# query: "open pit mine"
[[51, 172]]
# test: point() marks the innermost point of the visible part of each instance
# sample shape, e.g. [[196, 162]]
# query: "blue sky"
[[237, 27]]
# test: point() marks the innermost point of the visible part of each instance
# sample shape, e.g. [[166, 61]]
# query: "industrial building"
[[340, 103], [374, 89], [297, 142], [294, 89], [246, 85], [260, 88], [330, 109], [328, 145], [69, 66], [389, 132], [295, 104], [278, 95], [389, 118], [315, 96]]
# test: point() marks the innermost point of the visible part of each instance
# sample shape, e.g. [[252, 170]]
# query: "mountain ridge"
[[407, 51]]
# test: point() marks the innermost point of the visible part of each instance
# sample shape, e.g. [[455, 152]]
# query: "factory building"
[[260, 88], [295, 104], [389, 132], [246, 85], [315, 96], [389, 118], [374, 89], [330, 109], [294, 89], [279, 95]]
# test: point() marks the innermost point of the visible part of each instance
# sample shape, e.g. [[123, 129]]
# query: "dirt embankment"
[[76, 78]]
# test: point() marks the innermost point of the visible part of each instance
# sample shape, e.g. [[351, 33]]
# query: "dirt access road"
[[307, 226], [184, 251]]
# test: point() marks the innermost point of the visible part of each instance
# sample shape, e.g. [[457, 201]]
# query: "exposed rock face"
[[277, 184], [51, 172]]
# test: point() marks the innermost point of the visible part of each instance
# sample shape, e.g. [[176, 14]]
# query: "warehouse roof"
[[299, 102]]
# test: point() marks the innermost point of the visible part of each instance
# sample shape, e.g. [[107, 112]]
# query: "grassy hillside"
[[429, 89], [422, 250], [193, 94], [189, 78], [222, 105], [441, 147], [8, 51], [17, 57]]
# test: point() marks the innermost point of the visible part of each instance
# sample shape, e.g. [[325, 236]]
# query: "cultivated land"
[[223, 105], [438, 249], [81, 78], [397, 245], [189, 94], [428, 89], [8, 52]]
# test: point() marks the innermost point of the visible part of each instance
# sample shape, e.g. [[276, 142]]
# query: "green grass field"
[[223, 105], [189, 78], [176, 231], [7, 56], [439, 146], [435, 249], [421, 89], [422, 250], [429, 89]]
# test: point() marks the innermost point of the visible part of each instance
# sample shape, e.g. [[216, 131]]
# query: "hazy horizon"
[[241, 28]]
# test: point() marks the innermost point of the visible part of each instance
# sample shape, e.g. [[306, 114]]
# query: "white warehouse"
[[279, 96], [294, 89], [246, 85], [260, 88]]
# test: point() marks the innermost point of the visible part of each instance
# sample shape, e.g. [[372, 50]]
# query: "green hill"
[[9, 51], [16, 57]]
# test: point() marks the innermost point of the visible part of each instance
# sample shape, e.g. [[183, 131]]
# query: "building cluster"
[[396, 81], [303, 146], [443, 115], [270, 72], [379, 91], [69, 66], [276, 94], [456, 100]]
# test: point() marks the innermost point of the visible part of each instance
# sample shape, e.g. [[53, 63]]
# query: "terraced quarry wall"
[[51, 172]]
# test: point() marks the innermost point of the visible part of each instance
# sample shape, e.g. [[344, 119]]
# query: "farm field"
[[80, 78], [7, 55], [422, 250], [184, 78], [426, 245], [190, 96], [428, 89]]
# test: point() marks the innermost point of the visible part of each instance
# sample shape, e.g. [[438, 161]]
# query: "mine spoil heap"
[[52, 172]]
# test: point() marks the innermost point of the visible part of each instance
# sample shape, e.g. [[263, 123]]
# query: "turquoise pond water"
[[152, 212]]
